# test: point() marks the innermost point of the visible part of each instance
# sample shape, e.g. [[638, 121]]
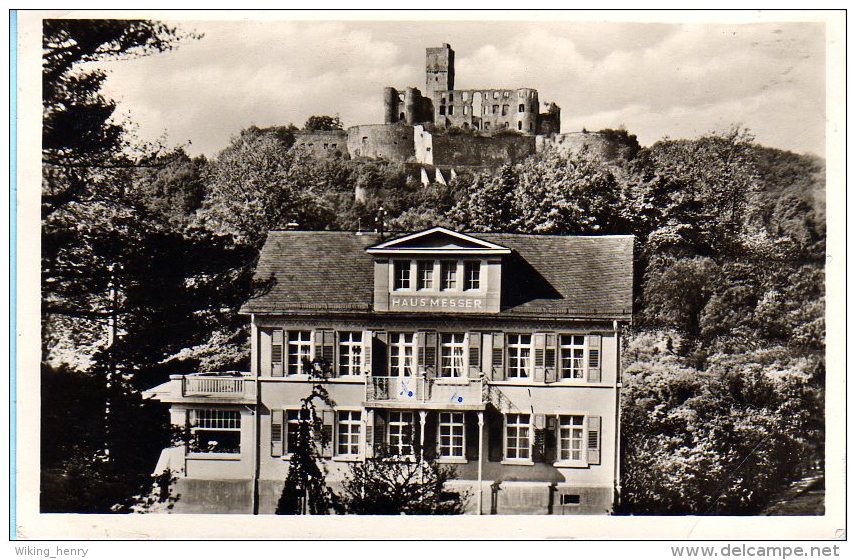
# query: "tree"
[[257, 184], [323, 122], [389, 484], [305, 489]]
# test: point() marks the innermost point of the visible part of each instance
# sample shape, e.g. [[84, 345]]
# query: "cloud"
[[655, 79]]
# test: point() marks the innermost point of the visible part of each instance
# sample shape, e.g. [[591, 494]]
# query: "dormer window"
[[449, 275], [472, 275], [425, 275], [402, 275], [438, 270]]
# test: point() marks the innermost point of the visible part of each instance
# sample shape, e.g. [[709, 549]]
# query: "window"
[[519, 355], [517, 436], [401, 270], [521, 108], [452, 355], [350, 353], [504, 110], [465, 95], [349, 426], [571, 438], [519, 125], [572, 350], [401, 351], [495, 109], [486, 125], [472, 275], [570, 499], [505, 94], [496, 95], [425, 275], [449, 275], [442, 109], [466, 110], [451, 109], [451, 432], [215, 431], [400, 433], [293, 419], [299, 349]]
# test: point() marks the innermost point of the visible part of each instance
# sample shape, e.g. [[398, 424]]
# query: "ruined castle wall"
[[463, 150], [323, 143], [391, 142], [574, 143], [423, 144], [488, 110]]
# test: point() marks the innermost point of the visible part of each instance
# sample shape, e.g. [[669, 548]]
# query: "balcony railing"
[[421, 390], [222, 385]]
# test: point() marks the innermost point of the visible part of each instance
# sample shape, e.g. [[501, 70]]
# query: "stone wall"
[[391, 142], [574, 143], [468, 151], [323, 143], [488, 110]]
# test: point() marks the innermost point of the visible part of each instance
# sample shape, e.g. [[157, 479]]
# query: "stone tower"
[[439, 69]]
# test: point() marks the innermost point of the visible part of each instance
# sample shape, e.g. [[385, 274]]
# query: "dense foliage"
[[147, 254]]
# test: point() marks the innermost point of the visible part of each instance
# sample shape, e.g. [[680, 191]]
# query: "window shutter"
[[474, 369], [471, 436], [551, 437], [593, 439], [430, 445], [540, 347], [265, 346], [369, 433], [550, 358], [276, 433], [593, 341], [380, 353], [379, 433], [539, 440], [367, 352], [328, 420], [277, 352], [495, 435], [328, 350], [420, 353], [498, 357], [430, 354]]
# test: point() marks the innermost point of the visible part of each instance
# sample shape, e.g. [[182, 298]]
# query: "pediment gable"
[[438, 240]]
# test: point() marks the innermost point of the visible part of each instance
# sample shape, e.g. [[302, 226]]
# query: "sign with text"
[[452, 304]]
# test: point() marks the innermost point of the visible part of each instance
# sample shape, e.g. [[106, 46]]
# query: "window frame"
[[349, 353], [506, 437], [530, 358], [287, 421], [411, 345], [451, 424], [398, 279], [452, 346], [359, 423], [468, 281], [562, 348], [448, 265], [399, 447], [306, 345], [193, 416], [422, 266], [583, 440]]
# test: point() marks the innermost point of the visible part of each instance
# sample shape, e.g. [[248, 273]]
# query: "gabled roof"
[[438, 240], [544, 275]]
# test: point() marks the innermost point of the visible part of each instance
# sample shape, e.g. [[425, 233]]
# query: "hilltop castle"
[[446, 128]]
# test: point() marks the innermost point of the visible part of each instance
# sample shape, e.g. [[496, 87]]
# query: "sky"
[[655, 80]]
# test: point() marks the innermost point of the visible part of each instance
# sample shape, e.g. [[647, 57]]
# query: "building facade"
[[496, 353]]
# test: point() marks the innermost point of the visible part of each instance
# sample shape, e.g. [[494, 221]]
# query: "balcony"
[[425, 393], [219, 387]]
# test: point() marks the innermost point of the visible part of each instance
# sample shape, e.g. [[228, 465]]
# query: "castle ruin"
[[446, 128]]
